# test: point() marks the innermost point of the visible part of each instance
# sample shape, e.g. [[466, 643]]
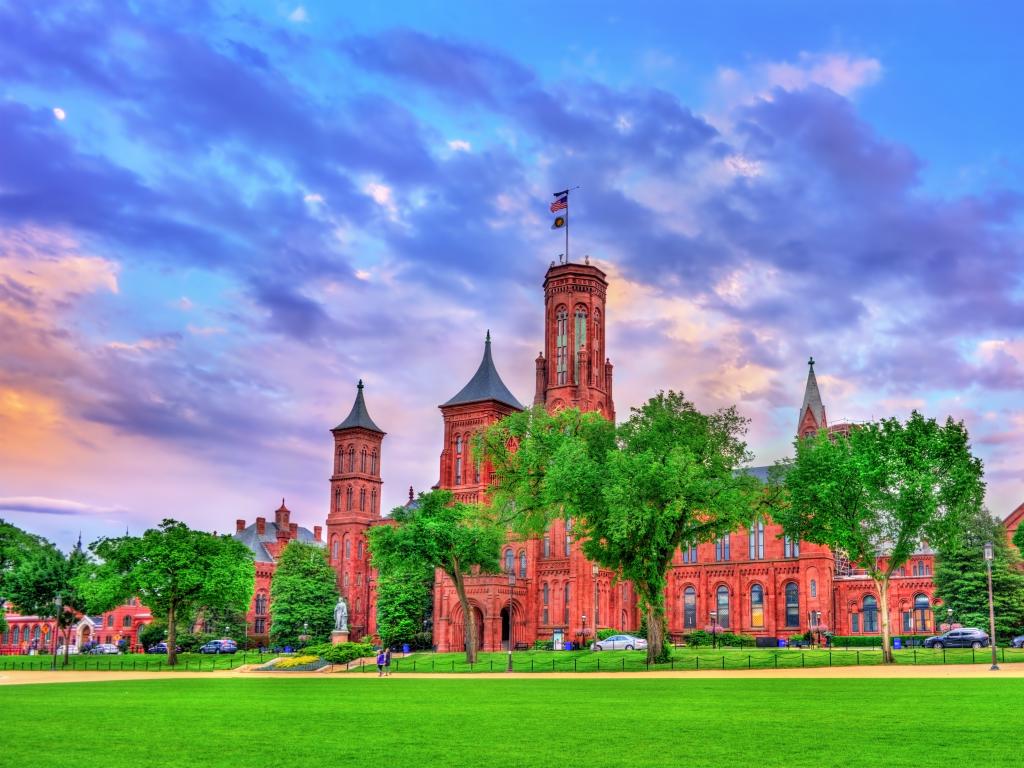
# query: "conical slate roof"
[[486, 384], [812, 398], [359, 416]]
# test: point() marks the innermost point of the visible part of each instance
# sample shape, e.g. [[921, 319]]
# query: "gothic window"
[[260, 626], [755, 545], [334, 550], [689, 608], [922, 607], [261, 603], [344, 581], [790, 546], [722, 549], [362, 499], [870, 613], [337, 499], [814, 588], [581, 341], [690, 553], [757, 606], [458, 471], [373, 501], [458, 445], [339, 464], [351, 459], [722, 602], [565, 607], [544, 619], [568, 543], [476, 471], [792, 605], [855, 622], [373, 462], [126, 622], [597, 334], [16, 635], [359, 550], [522, 565], [110, 620], [547, 546], [562, 345], [348, 547], [509, 561]]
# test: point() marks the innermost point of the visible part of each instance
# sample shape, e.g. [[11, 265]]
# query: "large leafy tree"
[[635, 493], [439, 532], [303, 593], [403, 600], [961, 578], [881, 493], [45, 583], [15, 546], [174, 570]]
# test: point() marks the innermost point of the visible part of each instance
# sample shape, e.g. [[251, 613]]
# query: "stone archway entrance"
[[458, 630]]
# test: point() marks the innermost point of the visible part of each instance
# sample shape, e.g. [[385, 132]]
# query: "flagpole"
[[567, 227]]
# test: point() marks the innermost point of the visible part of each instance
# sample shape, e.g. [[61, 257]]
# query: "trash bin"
[[897, 643], [782, 643], [405, 647], [567, 645]]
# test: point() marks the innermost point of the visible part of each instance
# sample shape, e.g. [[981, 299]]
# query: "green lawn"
[[538, 721], [192, 662], [685, 659]]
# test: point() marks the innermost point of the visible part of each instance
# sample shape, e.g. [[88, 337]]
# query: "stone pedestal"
[[339, 636]]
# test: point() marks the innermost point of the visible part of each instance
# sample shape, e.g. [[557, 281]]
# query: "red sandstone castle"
[[755, 581]]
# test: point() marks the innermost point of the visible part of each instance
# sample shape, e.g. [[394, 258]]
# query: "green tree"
[[174, 570], [403, 599], [441, 533], [961, 577], [15, 546], [45, 583], [304, 591], [635, 493], [880, 493], [152, 633]]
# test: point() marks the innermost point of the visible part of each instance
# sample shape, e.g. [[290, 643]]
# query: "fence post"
[[972, 655], [748, 661], [598, 663], [776, 655], [672, 664], [802, 664], [1002, 652], [943, 654], [697, 659], [858, 657], [574, 665], [552, 664], [723, 661], [623, 663], [453, 665]]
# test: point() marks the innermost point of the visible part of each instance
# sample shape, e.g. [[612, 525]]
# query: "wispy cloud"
[[41, 505]]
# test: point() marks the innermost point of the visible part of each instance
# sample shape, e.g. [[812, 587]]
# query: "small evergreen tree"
[[961, 578], [304, 591]]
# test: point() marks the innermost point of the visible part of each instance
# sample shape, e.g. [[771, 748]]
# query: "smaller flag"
[[560, 204], [558, 223]]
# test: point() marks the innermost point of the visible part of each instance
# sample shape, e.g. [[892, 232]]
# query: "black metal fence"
[[130, 664]]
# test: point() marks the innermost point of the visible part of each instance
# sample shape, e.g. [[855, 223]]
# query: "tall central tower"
[[573, 371]]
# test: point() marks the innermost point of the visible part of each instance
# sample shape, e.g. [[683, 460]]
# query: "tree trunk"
[[654, 610], [469, 620], [67, 642], [883, 608], [172, 656]]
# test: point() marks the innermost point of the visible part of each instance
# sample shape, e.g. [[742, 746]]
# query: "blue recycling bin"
[[405, 647], [567, 645], [782, 643], [897, 643]]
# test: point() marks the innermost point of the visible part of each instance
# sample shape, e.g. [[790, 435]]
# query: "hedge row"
[[341, 653]]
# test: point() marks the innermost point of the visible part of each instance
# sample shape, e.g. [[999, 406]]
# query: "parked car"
[[219, 646], [105, 649], [620, 643], [964, 637], [1017, 642], [161, 647], [71, 650]]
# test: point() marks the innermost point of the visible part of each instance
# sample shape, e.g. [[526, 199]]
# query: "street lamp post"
[[714, 629], [989, 556], [597, 612], [305, 633], [58, 604], [511, 586], [949, 619], [583, 632]]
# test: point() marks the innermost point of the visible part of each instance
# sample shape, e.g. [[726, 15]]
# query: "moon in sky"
[[59, 113]]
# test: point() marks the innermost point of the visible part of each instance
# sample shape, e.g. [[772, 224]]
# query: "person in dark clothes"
[[380, 663], [387, 662]]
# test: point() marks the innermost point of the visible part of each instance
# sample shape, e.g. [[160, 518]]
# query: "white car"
[[620, 643], [71, 650]]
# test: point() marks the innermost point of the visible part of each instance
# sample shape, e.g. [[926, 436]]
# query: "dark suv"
[[965, 637]]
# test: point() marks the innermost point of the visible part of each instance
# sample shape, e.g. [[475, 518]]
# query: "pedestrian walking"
[[387, 662], [380, 663]]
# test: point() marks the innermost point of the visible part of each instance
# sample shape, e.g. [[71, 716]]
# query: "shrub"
[[340, 653], [603, 633], [872, 641], [543, 645], [701, 638]]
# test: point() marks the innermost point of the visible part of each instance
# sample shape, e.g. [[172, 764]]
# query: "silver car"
[[620, 643]]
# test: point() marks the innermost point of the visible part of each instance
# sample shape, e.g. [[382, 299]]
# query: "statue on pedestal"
[[341, 616]]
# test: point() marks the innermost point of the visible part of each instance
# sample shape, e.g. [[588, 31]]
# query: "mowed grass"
[[536, 721], [684, 659], [151, 662]]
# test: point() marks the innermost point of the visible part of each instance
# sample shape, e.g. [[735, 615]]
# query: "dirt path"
[[898, 671]]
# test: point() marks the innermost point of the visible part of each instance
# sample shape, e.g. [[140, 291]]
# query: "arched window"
[[814, 588], [509, 561], [568, 543], [522, 565], [36, 633], [458, 470], [458, 445], [722, 603], [580, 341], [373, 462], [110, 620], [791, 546], [792, 605], [344, 580], [351, 459], [597, 335], [348, 498], [755, 545], [362, 460], [565, 607], [348, 547], [126, 622], [547, 597], [337, 499], [689, 608], [339, 462], [359, 550], [562, 345], [261, 603], [690, 553], [16, 635], [373, 501], [922, 609], [757, 606], [334, 548], [547, 546], [722, 549], [362, 499], [870, 611]]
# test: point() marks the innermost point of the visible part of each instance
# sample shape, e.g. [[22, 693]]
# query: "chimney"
[[261, 525], [542, 371], [293, 531], [239, 525], [317, 530]]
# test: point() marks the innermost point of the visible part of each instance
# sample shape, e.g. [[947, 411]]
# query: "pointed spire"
[[410, 493], [359, 416], [812, 399], [486, 383], [78, 544]]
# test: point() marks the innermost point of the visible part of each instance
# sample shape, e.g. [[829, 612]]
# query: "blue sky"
[[214, 219]]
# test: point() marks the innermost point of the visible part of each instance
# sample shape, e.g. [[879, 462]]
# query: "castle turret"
[[812, 411]]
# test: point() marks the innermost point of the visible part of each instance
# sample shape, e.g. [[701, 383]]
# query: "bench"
[[522, 646]]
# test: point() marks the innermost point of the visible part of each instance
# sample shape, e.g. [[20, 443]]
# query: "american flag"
[[560, 204]]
